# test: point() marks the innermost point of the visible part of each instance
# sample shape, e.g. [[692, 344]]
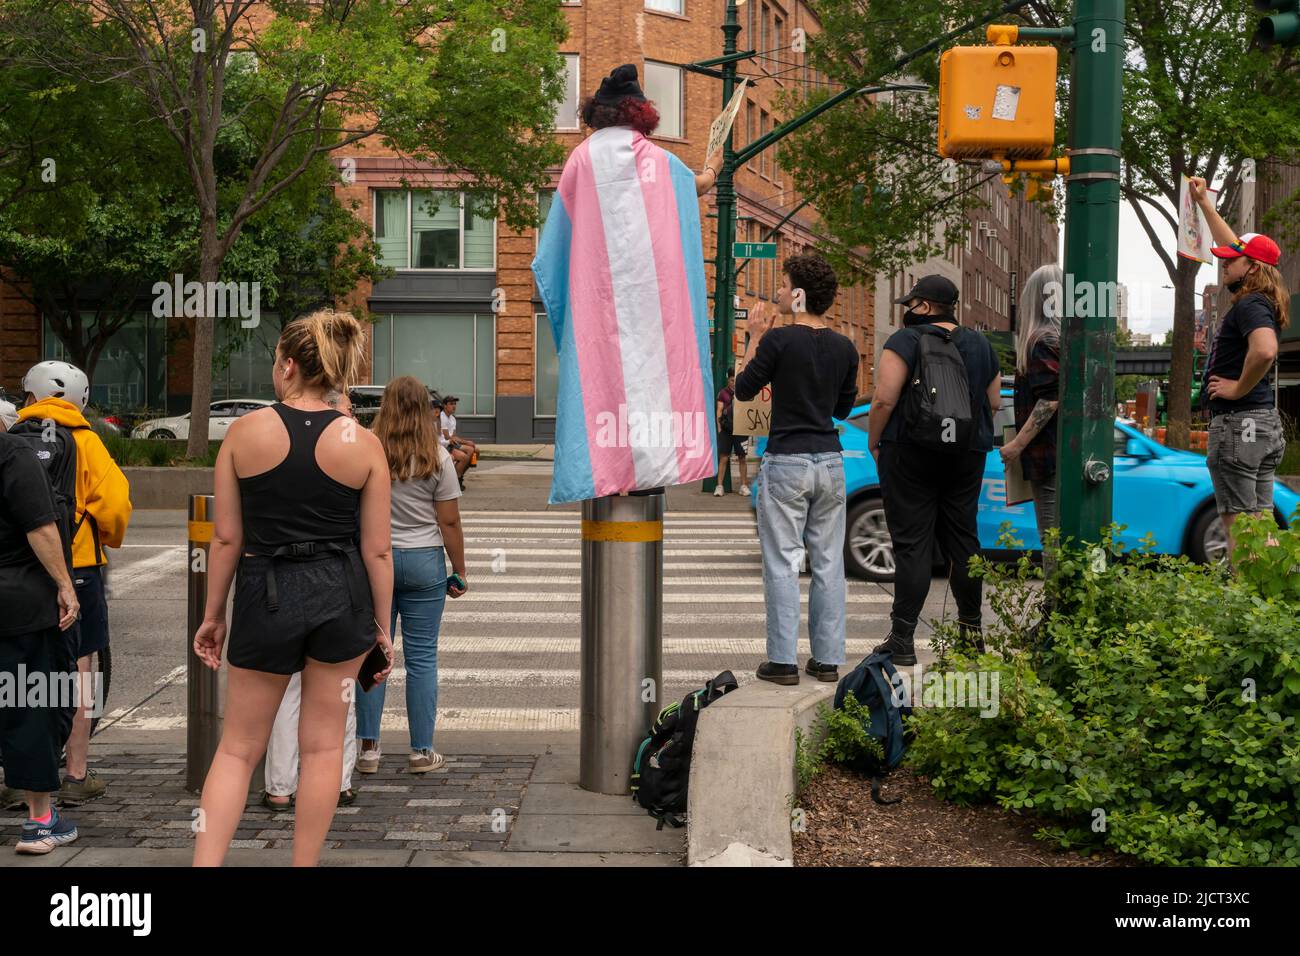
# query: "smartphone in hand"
[[456, 585]]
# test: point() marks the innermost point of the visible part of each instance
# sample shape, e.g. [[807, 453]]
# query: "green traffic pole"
[[724, 265], [1087, 385]]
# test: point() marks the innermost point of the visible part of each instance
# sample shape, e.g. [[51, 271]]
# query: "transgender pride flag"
[[620, 267]]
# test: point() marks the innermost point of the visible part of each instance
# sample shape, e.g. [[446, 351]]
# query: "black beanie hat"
[[621, 84]]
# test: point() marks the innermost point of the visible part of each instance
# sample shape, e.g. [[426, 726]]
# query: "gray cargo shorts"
[[1245, 448]]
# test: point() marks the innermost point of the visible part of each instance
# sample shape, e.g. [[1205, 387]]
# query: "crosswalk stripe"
[[573, 597], [698, 618], [668, 552], [577, 513], [754, 576], [478, 531], [537, 676], [671, 645]]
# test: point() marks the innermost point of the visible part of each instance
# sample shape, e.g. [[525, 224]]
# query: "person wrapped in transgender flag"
[[620, 269]]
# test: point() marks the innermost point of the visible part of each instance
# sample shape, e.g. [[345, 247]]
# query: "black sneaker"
[[823, 672], [970, 637], [778, 673], [903, 651]]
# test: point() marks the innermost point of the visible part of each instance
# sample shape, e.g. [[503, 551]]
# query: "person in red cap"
[[1246, 442]]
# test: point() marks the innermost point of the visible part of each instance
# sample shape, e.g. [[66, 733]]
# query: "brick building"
[[435, 317]]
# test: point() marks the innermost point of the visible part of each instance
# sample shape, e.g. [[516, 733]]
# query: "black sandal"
[[347, 797], [276, 807]]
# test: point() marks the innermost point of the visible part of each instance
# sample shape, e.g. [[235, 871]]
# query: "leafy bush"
[[129, 452], [1146, 704]]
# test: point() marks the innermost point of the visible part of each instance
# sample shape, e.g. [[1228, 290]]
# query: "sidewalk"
[[480, 810]]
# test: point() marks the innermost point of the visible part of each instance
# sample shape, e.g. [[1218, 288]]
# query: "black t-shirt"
[[27, 593], [814, 376], [981, 369], [1228, 354]]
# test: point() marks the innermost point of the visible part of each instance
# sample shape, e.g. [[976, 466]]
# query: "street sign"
[[753, 250]]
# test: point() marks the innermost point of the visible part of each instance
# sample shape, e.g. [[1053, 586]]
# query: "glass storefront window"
[[546, 383], [454, 354], [130, 373]]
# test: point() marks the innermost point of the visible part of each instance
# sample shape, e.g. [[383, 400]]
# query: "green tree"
[[465, 85], [1196, 102], [123, 226]]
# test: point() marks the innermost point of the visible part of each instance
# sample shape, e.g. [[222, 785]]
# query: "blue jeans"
[[801, 501], [419, 592]]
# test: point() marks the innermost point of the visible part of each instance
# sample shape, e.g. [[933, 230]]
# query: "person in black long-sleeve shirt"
[[813, 371]]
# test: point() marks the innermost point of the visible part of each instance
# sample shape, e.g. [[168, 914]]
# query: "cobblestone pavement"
[[470, 804]]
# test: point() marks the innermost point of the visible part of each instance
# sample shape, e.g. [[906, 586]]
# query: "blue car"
[[1157, 490]]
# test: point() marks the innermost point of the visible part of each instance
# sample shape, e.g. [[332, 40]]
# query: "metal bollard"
[[622, 634], [203, 686]]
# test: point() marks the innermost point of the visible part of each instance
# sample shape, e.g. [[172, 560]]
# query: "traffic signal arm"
[[1282, 28]]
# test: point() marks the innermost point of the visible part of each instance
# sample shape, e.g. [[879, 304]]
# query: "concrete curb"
[[163, 487], [743, 775]]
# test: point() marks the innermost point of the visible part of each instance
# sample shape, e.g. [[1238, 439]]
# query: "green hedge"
[[129, 452], [1153, 709]]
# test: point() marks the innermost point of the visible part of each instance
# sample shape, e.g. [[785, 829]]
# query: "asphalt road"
[[508, 650]]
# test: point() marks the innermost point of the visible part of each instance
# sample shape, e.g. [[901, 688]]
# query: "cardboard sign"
[[753, 416], [722, 124], [1017, 488], [1194, 240]]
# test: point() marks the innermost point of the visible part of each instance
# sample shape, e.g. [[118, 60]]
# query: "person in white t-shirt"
[[463, 451], [428, 548]]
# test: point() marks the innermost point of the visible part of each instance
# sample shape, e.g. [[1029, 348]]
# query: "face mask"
[[912, 317], [1235, 287]]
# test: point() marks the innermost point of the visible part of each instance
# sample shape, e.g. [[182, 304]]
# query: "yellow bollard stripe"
[[201, 531], [627, 531]]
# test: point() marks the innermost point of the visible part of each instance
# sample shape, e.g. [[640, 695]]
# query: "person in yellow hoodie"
[[58, 392]]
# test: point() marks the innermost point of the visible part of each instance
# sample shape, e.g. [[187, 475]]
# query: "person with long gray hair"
[[1038, 376]]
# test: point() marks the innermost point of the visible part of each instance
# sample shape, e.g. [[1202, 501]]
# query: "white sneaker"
[[422, 761], [717, 491], [368, 760], [744, 490]]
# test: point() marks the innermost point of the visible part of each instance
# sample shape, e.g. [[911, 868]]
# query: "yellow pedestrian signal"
[[997, 101]]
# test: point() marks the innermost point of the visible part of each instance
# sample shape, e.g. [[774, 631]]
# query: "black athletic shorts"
[[729, 444], [314, 617], [33, 729], [92, 627]]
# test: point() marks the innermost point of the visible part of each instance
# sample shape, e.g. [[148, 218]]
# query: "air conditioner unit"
[[982, 225]]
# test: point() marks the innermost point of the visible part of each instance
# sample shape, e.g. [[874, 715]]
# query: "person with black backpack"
[[95, 495], [930, 431], [40, 607]]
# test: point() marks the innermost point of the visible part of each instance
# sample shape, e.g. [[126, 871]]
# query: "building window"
[[446, 231], [749, 131], [131, 373], [667, 6], [778, 35], [663, 84], [566, 111], [763, 127], [762, 40], [749, 269], [455, 354], [544, 200], [546, 375]]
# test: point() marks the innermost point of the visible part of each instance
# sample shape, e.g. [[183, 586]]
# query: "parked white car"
[[219, 418]]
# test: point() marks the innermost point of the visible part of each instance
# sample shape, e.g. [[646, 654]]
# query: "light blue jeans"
[[419, 593], [801, 501]]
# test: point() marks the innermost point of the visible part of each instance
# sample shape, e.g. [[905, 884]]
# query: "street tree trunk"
[[1178, 434], [201, 373]]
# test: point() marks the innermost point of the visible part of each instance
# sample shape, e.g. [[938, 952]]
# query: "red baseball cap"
[[1253, 245]]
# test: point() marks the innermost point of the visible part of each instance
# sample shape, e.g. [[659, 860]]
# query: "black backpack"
[[662, 766], [875, 684], [57, 451], [937, 411]]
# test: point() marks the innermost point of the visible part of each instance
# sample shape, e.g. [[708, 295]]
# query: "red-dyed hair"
[[641, 115]]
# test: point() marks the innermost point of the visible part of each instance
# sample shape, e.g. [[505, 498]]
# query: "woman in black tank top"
[[308, 552]]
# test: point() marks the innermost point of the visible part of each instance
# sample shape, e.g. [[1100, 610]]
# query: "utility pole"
[[1087, 387]]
